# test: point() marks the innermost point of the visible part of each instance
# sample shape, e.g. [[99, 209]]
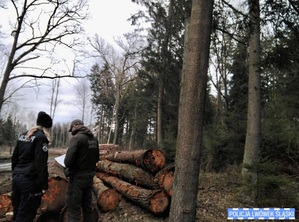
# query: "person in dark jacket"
[[29, 163], [80, 162]]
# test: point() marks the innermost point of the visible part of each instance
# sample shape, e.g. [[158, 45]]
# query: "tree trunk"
[[191, 112], [156, 201], [133, 129], [159, 111], [128, 172], [253, 133], [107, 198], [151, 160], [116, 118]]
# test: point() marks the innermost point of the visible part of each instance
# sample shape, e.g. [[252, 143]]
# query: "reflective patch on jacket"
[[45, 147], [23, 138]]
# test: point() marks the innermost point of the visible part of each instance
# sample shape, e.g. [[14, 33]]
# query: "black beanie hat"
[[43, 119]]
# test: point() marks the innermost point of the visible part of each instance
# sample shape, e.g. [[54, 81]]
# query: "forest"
[[245, 109]]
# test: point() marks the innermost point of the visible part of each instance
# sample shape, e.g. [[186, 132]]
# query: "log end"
[[168, 182], [159, 203], [5, 204], [108, 200], [154, 160], [53, 199]]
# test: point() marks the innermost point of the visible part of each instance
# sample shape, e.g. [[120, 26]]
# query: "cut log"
[[156, 201], [106, 149], [56, 170], [168, 182], [5, 204], [53, 200], [165, 178], [151, 160], [107, 198], [129, 172]]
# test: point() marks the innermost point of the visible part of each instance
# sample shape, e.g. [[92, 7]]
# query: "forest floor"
[[216, 193]]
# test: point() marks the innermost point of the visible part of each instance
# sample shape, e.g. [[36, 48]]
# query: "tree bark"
[[253, 132], [191, 112], [159, 111], [151, 160], [129, 172], [107, 198], [156, 201]]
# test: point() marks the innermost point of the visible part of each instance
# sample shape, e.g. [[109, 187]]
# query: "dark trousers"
[[26, 198], [79, 197]]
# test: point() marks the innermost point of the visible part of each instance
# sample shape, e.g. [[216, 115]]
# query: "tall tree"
[[9, 132], [102, 88], [54, 101], [253, 133], [122, 66], [82, 92], [162, 60], [39, 27], [191, 112]]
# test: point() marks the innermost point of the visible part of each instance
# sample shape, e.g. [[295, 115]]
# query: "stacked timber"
[[140, 176], [151, 160], [107, 198]]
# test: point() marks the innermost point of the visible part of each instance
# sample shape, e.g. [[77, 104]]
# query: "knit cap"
[[43, 119]]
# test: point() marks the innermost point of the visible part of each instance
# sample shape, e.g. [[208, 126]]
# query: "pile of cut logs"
[[141, 176]]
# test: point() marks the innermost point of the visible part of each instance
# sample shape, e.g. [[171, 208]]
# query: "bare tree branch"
[[295, 5], [121, 66], [45, 77], [40, 27]]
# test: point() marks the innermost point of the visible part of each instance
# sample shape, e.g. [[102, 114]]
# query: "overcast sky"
[[108, 20]]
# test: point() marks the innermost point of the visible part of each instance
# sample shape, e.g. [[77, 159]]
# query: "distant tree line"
[[10, 129]]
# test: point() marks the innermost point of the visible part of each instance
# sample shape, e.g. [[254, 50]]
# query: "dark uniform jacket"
[[30, 158], [82, 154]]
